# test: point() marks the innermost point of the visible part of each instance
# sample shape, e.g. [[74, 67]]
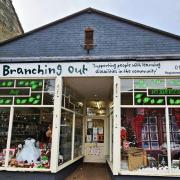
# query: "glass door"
[[94, 139]]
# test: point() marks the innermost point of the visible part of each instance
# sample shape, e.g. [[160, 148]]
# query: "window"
[[146, 106], [30, 103], [89, 38], [150, 133]]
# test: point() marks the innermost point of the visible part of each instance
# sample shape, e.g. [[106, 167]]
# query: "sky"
[[160, 14]]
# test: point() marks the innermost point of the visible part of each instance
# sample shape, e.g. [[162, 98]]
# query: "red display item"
[[123, 134], [138, 125]]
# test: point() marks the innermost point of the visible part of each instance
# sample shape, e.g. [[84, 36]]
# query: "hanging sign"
[[120, 68]]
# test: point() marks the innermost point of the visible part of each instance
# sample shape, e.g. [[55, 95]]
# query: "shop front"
[[125, 114]]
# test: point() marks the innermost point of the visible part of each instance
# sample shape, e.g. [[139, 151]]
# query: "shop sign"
[[120, 68], [161, 92]]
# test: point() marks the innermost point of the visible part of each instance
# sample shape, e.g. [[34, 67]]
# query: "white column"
[[56, 125], [116, 125], [110, 136], [73, 136], [168, 139], [9, 136]]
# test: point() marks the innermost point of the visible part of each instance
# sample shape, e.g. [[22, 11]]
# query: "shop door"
[[94, 140]]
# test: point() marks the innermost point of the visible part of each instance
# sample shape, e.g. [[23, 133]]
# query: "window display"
[[144, 109], [4, 123], [78, 139], [31, 138], [30, 145], [145, 139]]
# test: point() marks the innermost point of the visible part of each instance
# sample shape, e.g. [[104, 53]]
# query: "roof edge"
[[89, 9], [166, 57]]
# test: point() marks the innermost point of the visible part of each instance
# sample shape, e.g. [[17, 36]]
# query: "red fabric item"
[[177, 119], [138, 125]]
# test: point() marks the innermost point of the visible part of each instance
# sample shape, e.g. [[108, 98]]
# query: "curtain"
[[138, 125]]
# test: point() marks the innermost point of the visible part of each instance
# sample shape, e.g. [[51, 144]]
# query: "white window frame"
[[166, 107]]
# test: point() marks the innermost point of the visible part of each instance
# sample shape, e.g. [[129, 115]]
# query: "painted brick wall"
[[112, 37]]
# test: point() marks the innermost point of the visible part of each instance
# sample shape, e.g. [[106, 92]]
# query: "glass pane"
[[154, 145], [173, 83], [149, 83], [65, 146], [142, 140], [49, 85], [126, 84], [4, 123], [127, 98], [152, 120], [175, 136], [31, 138], [145, 136], [153, 128], [154, 136], [48, 98], [78, 139]]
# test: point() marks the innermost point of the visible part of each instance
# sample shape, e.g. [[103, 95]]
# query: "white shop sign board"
[[120, 68]]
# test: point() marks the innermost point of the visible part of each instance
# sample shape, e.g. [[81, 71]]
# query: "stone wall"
[[9, 23]]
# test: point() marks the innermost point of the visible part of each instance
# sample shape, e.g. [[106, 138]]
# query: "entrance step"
[[89, 171]]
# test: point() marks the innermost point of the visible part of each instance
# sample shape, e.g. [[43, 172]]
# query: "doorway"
[[96, 95]]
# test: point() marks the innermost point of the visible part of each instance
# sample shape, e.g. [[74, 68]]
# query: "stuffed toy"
[[29, 152]]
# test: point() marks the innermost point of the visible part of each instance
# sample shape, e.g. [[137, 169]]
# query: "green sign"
[[6, 83], [162, 92], [35, 99], [6, 101], [143, 99], [14, 92], [173, 100], [35, 84]]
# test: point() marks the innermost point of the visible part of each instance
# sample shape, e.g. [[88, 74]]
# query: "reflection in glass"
[[78, 139], [65, 146], [31, 138], [4, 122], [126, 84], [49, 85]]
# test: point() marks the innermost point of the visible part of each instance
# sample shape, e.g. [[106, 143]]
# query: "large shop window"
[[65, 147], [26, 107], [150, 116], [71, 127]]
